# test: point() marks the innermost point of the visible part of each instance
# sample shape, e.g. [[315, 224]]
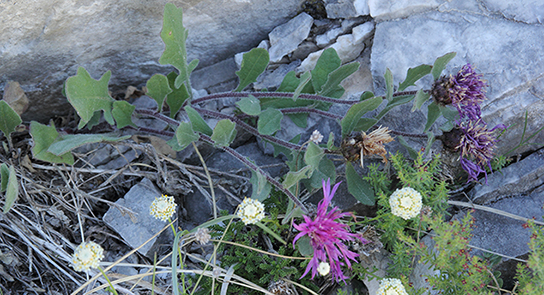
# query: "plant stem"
[[210, 182], [107, 279]]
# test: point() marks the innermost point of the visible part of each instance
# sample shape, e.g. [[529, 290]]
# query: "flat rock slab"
[[140, 226]]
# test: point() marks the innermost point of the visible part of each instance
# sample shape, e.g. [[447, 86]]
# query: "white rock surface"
[[284, 39], [527, 11], [340, 9], [361, 7], [389, 9], [325, 39]]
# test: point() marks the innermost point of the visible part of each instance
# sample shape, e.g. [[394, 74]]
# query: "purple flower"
[[327, 236], [476, 145], [466, 91]]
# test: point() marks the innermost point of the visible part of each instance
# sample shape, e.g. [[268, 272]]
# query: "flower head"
[[323, 268], [250, 211], [86, 256], [327, 236], [163, 208], [476, 146], [391, 287], [406, 203], [316, 137], [374, 141], [202, 235]]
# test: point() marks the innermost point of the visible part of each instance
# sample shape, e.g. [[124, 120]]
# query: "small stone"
[[325, 39], [390, 9], [340, 9], [284, 39]]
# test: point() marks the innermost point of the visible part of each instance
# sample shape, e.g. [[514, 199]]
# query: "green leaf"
[[358, 187], [411, 152], [447, 127], [301, 119], [313, 155], [413, 75], [304, 246], [356, 111], [65, 143], [224, 133], [289, 82], [270, 232], [396, 101], [9, 119], [365, 123], [325, 170], [330, 142], [122, 113], [430, 140], [304, 79], [388, 84], [88, 95], [260, 186], [12, 190], [366, 95], [174, 35], [199, 125], [95, 120], [332, 87], [184, 135], [420, 99], [177, 97], [250, 105], [432, 114], [449, 113], [292, 178], [254, 63], [158, 88], [4, 176], [269, 121], [327, 63], [43, 136], [440, 64]]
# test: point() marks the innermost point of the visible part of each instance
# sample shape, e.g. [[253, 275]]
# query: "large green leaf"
[[289, 82], [177, 97], [158, 88], [199, 125], [327, 63], [260, 186], [43, 136], [292, 178], [122, 113], [325, 170], [12, 190], [65, 143], [313, 155], [254, 63], [396, 101], [224, 133], [440, 64], [184, 136], [432, 114], [88, 95], [413, 75], [332, 87], [365, 123], [174, 35], [304, 79], [388, 84], [420, 99], [4, 176], [356, 111], [9, 119], [249, 105], [269, 121], [358, 187]]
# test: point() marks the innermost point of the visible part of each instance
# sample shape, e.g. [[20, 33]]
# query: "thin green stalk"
[[107, 279], [210, 182], [180, 257]]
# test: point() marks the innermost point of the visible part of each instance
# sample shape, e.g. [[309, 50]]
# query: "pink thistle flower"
[[327, 236]]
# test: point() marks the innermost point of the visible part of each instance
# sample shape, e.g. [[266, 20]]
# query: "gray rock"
[[361, 7], [527, 11], [139, 226], [273, 78], [215, 74], [238, 57], [325, 39], [45, 41], [518, 178], [389, 9], [340, 9], [284, 39], [515, 79]]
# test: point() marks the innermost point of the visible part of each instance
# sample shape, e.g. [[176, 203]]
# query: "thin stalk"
[[261, 251], [210, 182], [107, 279]]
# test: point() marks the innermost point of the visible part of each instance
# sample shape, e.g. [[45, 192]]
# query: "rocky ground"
[[106, 197]]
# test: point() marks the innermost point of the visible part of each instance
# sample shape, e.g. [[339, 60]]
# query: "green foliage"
[[197, 122], [413, 75], [177, 97], [440, 63], [122, 113], [65, 143], [224, 133], [9, 185], [9, 119], [356, 111], [43, 136], [358, 187], [158, 88], [184, 137], [254, 63], [269, 121], [249, 105], [531, 275]]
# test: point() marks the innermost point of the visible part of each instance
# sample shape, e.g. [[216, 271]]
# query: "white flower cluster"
[[323, 268], [406, 203], [316, 137], [86, 256], [391, 287], [250, 211], [202, 236], [163, 208]]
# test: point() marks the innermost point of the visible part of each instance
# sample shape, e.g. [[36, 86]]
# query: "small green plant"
[[531, 275]]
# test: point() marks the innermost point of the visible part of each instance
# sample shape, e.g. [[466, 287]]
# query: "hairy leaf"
[[289, 82], [65, 143], [420, 99], [440, 64], [122, 113], [199, 125], [260, 186], [4, 176], [332, 87], [250, 105], [88, 95], [413, 75], [43, 136], [304, 79], [9, 119], [158, 88], [396, 101], [432, 114], [313, 155], [184, 136], [253, 64], [12, 190], [224, 133], [177, 97], [388, 84], [326, 64], [356, 111], [358, 187], [269, 121], [292, 178]]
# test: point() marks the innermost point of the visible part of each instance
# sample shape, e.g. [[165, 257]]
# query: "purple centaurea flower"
[[327, 236], [476, 146], [467, 91]]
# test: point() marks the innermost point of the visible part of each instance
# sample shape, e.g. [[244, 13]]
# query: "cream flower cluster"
[[250, 211], [323, 268], [86, 256], [406, 203], [163, 208], [202, 236], [316, 137], [391, 287]]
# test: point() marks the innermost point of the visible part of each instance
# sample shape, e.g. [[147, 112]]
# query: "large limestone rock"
[[44, 41]]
